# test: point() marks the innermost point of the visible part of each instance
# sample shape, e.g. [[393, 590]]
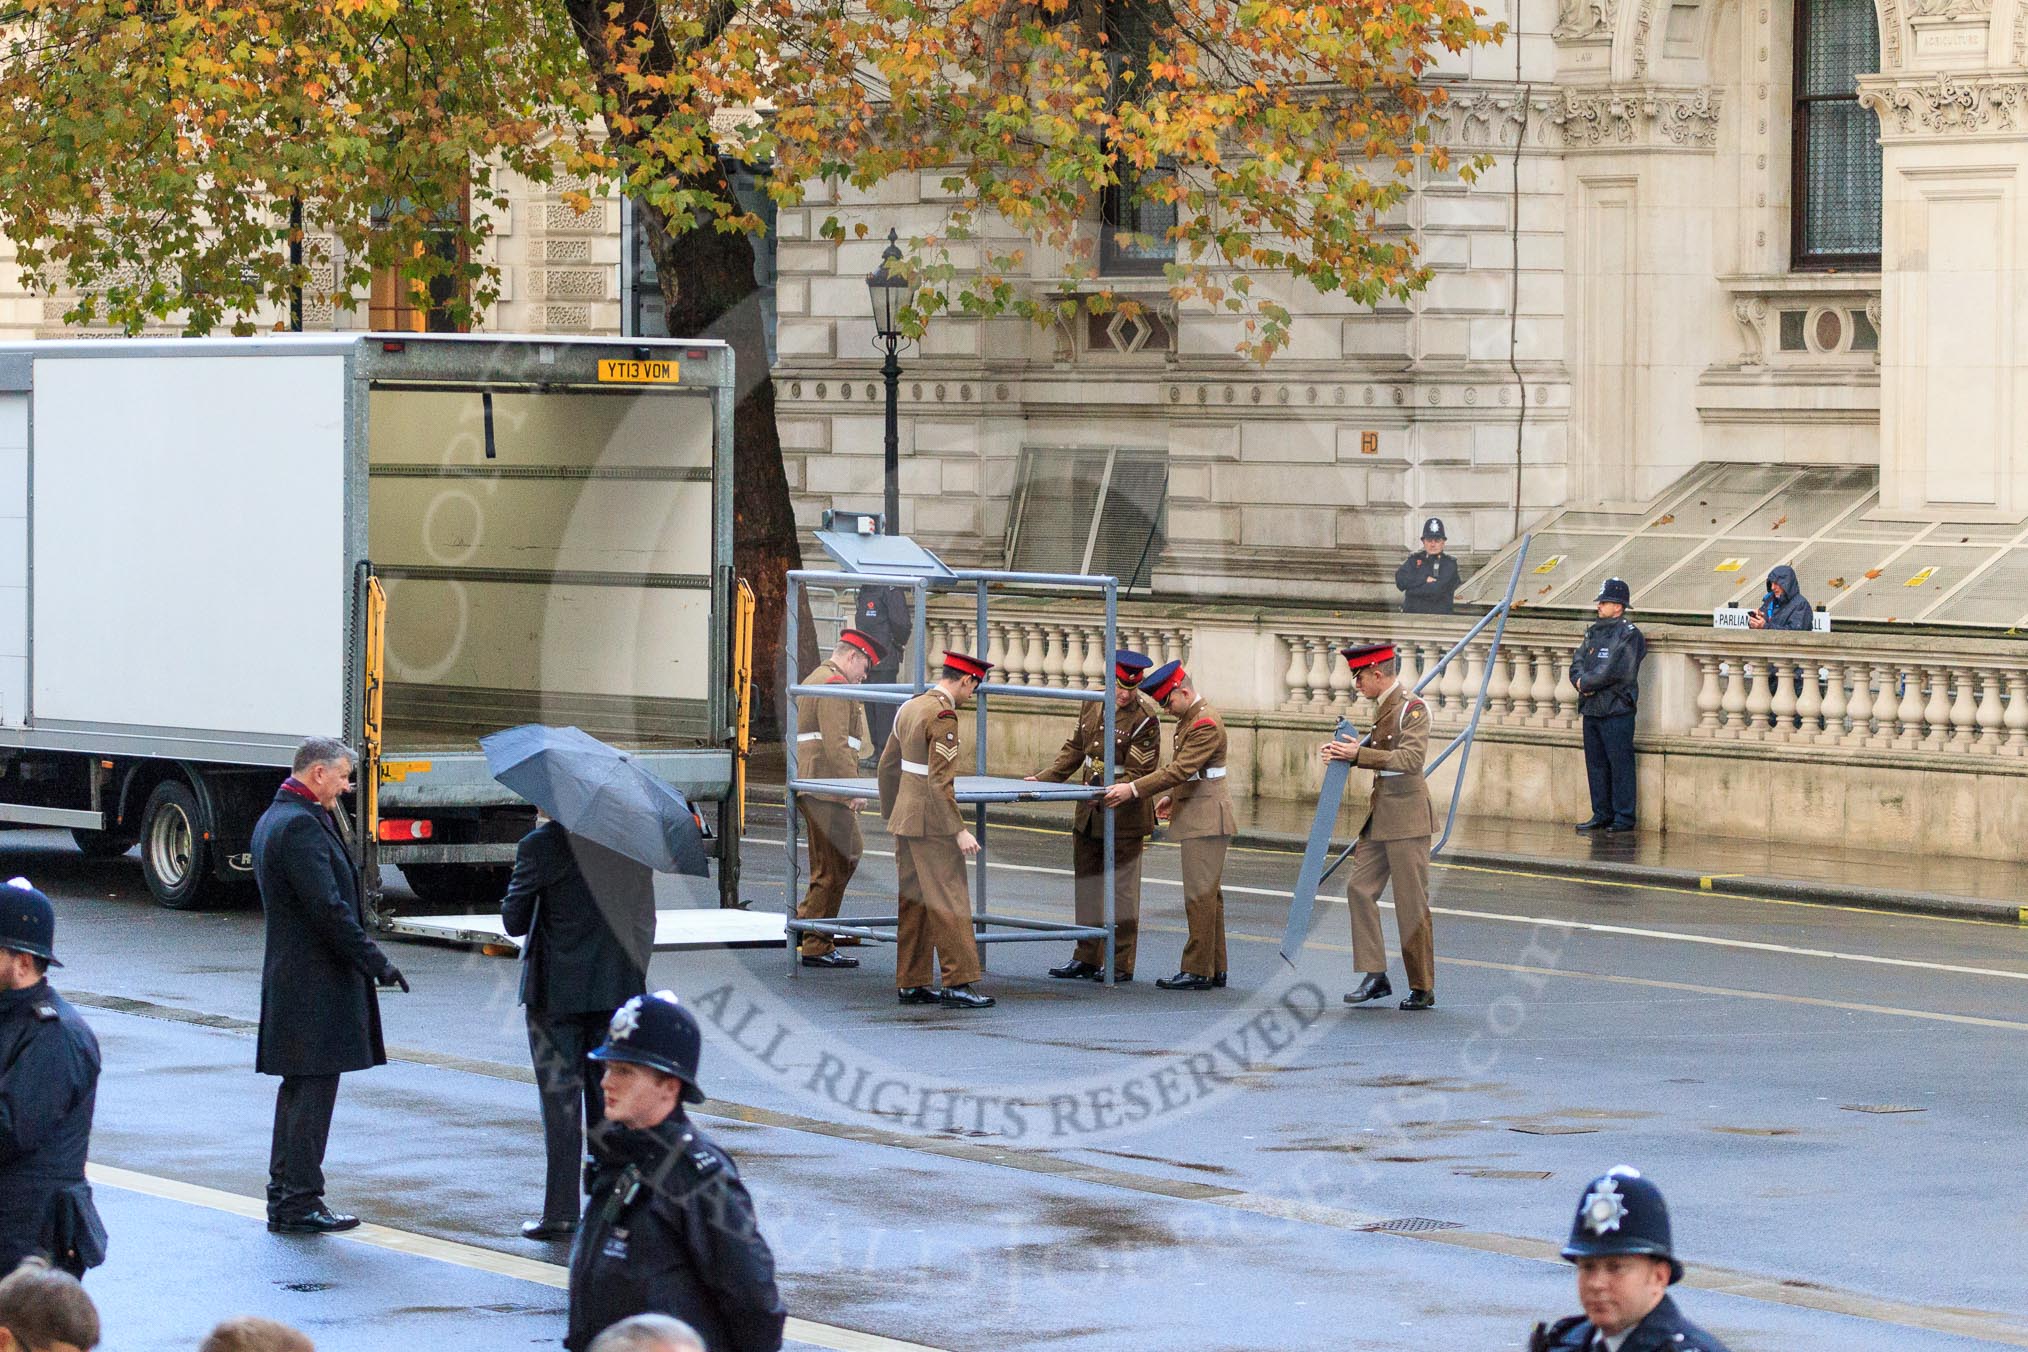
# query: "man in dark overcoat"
[[320, 1014], [589, 914]]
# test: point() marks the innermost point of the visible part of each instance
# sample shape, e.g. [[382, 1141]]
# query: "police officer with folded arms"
[[669, 1228], [1626, 1263], [49, 1078], [1428, 578]]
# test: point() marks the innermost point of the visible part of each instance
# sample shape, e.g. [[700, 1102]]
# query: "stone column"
[[1952, 98]]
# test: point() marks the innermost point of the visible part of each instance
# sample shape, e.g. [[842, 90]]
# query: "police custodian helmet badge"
[[625, 1020], [1604, 1209]]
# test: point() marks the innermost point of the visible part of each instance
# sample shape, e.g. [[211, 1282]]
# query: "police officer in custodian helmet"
[[1626, 1264]]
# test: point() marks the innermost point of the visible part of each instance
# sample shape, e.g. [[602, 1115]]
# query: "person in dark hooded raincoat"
[[1784, 606]]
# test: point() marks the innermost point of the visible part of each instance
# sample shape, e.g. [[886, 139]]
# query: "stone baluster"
[[1709, 697], [1341, 678], [1033, 655], [1540, 670], [1830, 704], [1885, 698], [1758, 700], [1566, 693], [1734, 702], [1498, 687], [1964, 711], [1051, 670], [1782, 703], [2016, 717], [1475, 677], [1410, 653], [996, 648], [1319, 675], [1907, 733], [1934, 728], [1097, 661], [1451, 686], [1296, 676], [1990, 713]]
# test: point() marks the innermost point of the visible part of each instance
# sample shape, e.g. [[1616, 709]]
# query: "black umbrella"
[[601, 793]]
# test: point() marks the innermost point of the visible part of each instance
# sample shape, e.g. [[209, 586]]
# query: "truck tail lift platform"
[[1302, 902], [897, 561]]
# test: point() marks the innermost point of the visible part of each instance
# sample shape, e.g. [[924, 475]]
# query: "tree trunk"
[[708, 286]]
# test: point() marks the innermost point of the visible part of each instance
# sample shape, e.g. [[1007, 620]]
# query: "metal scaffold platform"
[[896, 561]]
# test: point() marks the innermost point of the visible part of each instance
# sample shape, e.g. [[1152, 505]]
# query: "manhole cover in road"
[[1502, 1173], [1882, 1108], [1552, 1129], [1409, 1225]]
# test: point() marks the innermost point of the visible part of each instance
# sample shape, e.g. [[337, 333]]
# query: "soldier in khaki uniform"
[[918, 796], [1200, 820], [1137, 745], [831, 738], [1394, 842]]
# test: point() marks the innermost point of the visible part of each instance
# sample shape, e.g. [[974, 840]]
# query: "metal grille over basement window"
[[1089, 511], [1836, 189]]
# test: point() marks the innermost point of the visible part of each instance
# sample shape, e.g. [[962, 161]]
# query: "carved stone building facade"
[[1783, 231]]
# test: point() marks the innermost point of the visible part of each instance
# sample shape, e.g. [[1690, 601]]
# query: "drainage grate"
[[1410, 1225], [1882, 1108], [1552, 1129]]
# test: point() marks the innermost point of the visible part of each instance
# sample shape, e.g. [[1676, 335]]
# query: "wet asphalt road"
[[1089, 1169]]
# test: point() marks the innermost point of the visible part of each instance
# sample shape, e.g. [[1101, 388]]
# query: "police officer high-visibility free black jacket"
[[669, 1229], [49, 1075], [1428, 578]]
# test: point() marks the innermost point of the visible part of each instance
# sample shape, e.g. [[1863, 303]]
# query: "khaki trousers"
[[935, 914], [1406, 864], [835, 847], [1204, 904], [1088, 865]]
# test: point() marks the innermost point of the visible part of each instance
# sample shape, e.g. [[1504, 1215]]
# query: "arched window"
[[1834, 200]]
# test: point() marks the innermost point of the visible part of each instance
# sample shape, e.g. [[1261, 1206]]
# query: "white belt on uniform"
[[1210, 772], [810, 737], [914, 767], [852, 742], [1391, 774]]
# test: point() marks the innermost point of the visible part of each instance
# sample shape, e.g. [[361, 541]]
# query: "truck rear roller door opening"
[[556, 571]]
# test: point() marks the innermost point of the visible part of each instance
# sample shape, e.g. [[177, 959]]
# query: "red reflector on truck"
[[405, 828]]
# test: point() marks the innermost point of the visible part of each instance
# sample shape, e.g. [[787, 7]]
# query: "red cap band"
[[863, 642], [965, 665]]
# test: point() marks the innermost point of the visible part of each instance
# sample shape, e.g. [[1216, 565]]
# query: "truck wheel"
[[458, 887], [174, 852], [101, 844]]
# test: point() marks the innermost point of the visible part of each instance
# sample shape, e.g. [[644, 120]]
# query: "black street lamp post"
[[889, 290]]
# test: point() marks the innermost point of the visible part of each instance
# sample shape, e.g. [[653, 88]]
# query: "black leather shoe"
[[1120, 978], [964, 997], [1373, 986], [1186, 981], [916, 995], [1218, 982], [322, 1221], [1590, 826], [1076, 970], [1621, 828], [1420, 1000], [828, 960], [548, 1229]]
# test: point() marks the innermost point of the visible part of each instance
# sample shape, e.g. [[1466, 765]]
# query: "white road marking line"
[[1630, 931], [450, 1251]]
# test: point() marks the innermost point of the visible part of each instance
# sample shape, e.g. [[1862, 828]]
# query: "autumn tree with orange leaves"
[[163, 159]]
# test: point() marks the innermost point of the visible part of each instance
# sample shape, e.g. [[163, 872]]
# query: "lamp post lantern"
[[889, 292]]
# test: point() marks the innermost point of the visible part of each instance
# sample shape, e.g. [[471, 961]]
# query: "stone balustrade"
[[1892, 698], [1905, 740], [1038, 651]]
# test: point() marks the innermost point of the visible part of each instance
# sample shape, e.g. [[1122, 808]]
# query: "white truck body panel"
[[13, 560], [227, 470]]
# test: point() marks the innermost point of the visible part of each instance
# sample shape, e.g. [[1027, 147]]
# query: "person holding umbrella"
[[589, 914], [583, 891]]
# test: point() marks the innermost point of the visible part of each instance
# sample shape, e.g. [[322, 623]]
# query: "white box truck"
[[199, 540]]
